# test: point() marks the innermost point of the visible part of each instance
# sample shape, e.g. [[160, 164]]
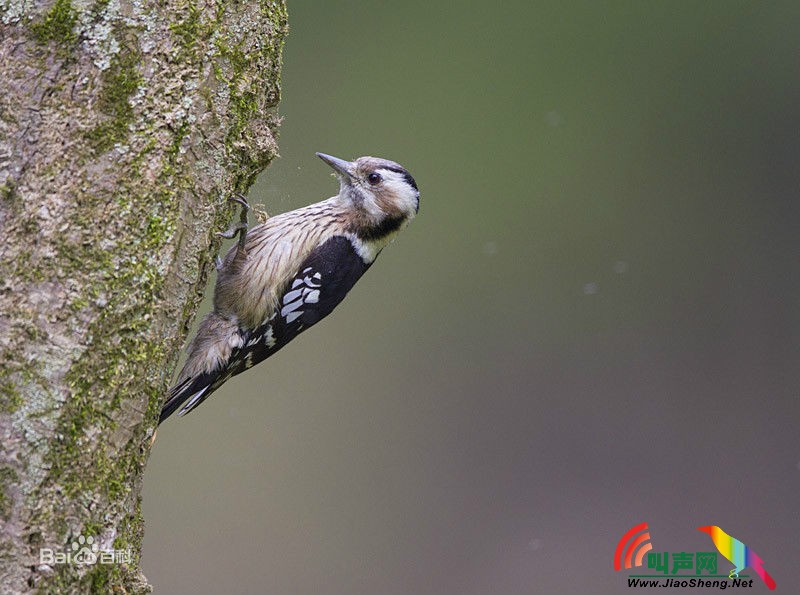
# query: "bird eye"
[[374, 178]]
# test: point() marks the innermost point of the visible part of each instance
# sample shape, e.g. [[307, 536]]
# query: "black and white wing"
[[320, 284]]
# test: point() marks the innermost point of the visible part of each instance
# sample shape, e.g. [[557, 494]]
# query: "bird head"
[[379, 188], [708, 529]]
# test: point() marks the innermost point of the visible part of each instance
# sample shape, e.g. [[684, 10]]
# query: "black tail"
[[196, 382], [194, 390]]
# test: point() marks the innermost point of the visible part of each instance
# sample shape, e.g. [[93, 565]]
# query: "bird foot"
[[240, 228], [233, 231]]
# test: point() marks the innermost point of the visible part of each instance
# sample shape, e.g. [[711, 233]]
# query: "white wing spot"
[[269, 338], [292, 295], [291, 307], [303, 291]]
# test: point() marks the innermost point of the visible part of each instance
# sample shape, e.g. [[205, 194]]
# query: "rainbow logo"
[[642, 542], [739, 554]]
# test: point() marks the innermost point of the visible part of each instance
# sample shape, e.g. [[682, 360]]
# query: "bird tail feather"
[[203, 371], [187, 395], [757, 564]]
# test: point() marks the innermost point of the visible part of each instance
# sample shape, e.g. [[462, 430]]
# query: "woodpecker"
[[287, 274]]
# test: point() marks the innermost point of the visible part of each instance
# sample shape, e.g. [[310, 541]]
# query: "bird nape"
[[288, 273]]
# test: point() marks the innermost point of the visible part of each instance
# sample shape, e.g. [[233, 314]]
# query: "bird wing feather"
[[321, 282]]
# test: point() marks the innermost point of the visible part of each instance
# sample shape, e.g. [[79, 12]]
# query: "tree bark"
[[124, 126]]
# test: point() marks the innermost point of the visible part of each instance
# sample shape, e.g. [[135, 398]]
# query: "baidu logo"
[[84, 551]]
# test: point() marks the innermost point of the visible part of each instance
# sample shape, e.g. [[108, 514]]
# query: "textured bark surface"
[[123, 128]]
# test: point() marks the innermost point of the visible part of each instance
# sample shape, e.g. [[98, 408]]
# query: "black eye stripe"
[[407, 176]]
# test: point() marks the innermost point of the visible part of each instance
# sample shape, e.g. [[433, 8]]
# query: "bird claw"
[[233, 231], [240, 228], [241, 200]]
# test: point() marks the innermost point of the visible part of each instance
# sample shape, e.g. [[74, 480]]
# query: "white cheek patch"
[[406, 197], [370, 206]]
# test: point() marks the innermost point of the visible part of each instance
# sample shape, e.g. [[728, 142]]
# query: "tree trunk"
[[124, 126]]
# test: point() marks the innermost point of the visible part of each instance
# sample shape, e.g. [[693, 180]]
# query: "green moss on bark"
[[58, 25], [125, 236], [120, 81], [10, 397], [8, 477]]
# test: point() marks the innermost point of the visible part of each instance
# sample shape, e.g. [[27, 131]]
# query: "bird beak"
[[705, 529], [340, 166]]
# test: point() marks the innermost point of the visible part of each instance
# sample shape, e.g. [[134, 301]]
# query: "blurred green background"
[[592, 323]]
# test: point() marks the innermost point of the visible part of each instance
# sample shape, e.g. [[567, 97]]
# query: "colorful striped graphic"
[[629, 553], [738, 553]]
